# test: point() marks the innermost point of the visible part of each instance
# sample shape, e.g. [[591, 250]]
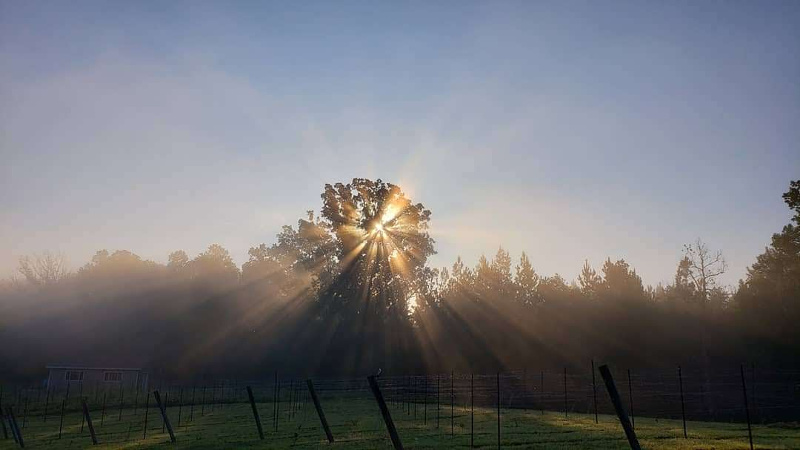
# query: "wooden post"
[[255, 413], [15, 428], [746, 409], [387, 416], [3, 422], [7, 418], [594, 394], [88, 420], [162, 407], [498, 409], [630, 398], [321, 413], [683, 406], [615, 399]]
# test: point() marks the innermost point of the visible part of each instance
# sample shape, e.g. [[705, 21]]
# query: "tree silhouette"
[[704, 267], [383, 245], [44, 269], [350, 289]]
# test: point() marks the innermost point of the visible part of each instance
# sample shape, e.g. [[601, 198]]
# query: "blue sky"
[[570, 130]]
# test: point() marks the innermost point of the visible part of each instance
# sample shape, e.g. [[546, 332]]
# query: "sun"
[[379, 228]]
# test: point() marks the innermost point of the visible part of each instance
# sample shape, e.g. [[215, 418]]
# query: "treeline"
[[350, 291]]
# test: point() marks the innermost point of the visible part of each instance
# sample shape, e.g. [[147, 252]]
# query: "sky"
[[569, 130]]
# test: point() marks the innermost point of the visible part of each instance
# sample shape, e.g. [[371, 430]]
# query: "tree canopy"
[[350, 289]]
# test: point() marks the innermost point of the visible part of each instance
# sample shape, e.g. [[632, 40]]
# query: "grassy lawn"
[[357, 423]]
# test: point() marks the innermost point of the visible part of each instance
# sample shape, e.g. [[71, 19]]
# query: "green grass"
[[357, 424]]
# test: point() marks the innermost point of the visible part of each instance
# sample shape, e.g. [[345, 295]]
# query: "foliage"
[[350, 290]]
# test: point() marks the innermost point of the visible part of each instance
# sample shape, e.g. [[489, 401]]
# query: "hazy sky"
[[570, 130]]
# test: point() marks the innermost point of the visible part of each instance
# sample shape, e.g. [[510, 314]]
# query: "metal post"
[[103, 413], [291, 400], [438, 378], [565, 392], [683, 406], [425, 400], [121, 401], [180, 406], [46, 404], [630, 398], [166, 403], [135, 400], [452, 407], [408, 396], [146, 413], [753, 391], [277, 400], [25, 411], [415, 394], [541, 395], [203, 401], [746, 409], [191, 406], [594, 394], [61, 423], [498, 409]]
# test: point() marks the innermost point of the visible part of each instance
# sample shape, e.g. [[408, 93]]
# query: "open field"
[[356, 423]]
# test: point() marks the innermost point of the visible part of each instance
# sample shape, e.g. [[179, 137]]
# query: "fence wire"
[[455, 409]]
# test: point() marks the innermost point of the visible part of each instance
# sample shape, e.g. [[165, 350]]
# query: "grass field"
[[356, 423]]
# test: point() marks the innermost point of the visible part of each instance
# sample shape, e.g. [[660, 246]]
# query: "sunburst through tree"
[[383, 244]]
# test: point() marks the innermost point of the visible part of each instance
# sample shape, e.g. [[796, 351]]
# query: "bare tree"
[[704, 267], [43, 269]]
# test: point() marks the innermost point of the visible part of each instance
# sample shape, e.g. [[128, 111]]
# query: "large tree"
[[382, 245], [770, 296]]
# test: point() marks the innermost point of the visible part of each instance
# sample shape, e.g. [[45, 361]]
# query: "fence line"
[[510, 408]]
